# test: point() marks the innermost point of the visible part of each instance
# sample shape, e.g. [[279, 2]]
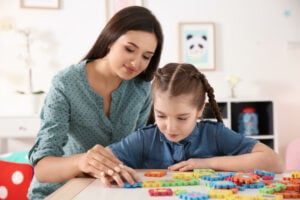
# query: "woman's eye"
[[146, 57], [128, 49], [160, 116]]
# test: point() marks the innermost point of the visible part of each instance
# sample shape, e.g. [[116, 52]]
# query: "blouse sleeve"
[[55, 113]]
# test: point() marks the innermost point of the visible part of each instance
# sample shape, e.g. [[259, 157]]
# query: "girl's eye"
[[128, 49], [160, 116], [182, 119]]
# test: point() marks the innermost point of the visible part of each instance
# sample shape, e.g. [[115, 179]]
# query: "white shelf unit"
[[17, 127], [231, 109]]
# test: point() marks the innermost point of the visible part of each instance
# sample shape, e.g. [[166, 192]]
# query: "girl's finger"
[[185, 168], [177, 166]]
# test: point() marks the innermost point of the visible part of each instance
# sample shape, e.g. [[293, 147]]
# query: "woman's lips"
[[129, 70]]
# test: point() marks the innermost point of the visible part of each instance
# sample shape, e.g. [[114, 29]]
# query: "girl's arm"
[[97, 162], [261, 157]]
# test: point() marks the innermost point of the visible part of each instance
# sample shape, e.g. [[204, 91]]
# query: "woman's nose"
[[135, 62]]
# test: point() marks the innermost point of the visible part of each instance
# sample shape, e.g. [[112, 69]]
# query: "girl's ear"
[[200, 112]]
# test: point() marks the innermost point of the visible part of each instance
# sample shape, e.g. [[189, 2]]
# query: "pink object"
[[292, 156], [160, 192], [267, 177]]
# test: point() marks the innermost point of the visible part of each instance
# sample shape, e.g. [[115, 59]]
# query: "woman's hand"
[[126, 174], [99, 161]]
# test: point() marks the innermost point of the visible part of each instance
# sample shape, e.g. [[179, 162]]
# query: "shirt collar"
[[188, 139]]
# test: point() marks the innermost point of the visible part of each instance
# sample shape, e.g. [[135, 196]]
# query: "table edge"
[[70, 189]]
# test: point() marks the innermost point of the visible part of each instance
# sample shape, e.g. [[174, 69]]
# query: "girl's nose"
[[170, 126]]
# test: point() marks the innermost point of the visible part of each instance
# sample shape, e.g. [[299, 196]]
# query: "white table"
[[89, 188]]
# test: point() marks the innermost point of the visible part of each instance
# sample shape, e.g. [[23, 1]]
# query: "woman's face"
[[176, 117], [131, 53]]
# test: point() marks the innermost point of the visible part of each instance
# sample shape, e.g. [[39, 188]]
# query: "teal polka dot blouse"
[[73, 118]]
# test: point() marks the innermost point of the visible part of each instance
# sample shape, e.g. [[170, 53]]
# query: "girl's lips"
[[172, 135]]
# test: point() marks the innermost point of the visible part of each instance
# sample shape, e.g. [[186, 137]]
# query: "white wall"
[[251, 41]]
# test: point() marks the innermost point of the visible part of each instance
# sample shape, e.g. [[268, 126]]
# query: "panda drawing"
[[196, 47]]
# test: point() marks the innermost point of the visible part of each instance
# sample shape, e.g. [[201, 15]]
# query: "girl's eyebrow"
[[136, 46], [183, 114]]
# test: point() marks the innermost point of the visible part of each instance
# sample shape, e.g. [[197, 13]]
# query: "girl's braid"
[[211, 97]]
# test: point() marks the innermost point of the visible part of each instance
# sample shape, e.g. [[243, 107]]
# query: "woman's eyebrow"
[[136, 46]]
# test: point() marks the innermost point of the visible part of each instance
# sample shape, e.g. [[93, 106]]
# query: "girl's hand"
[[99, 161], [127, 174], [190, 164]]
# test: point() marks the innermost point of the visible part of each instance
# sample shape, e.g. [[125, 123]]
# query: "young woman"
[[178, 141], [96, 102]]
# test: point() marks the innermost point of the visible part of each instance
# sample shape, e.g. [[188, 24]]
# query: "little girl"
[[178, 141]]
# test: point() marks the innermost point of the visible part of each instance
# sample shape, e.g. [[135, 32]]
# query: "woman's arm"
[[97, 162], [47, 154], [129, 150], [126, 174], [261, 157]]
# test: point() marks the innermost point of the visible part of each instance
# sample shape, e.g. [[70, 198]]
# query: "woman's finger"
[[95, 172], [133, 174], [103, 161], [106, 180], [118, 179], [127, 177], [103, 164], [106, 153]]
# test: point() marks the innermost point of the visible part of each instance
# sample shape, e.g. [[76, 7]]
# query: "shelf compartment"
[[208, 114], [264, 110]]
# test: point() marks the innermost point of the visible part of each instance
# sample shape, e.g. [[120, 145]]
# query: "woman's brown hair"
[[182, 78], [133, 18]]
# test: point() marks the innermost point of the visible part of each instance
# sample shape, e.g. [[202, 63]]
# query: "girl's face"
[[176, 117], [131, 53]]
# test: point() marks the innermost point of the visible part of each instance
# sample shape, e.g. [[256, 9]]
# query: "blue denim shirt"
[[148, 148]]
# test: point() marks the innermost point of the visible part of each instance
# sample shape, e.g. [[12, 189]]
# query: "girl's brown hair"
[[133, 18], [179, 79]]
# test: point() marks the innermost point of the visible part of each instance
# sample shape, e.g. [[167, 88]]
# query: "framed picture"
[[113, 6], [44, 4], [197, 44]]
